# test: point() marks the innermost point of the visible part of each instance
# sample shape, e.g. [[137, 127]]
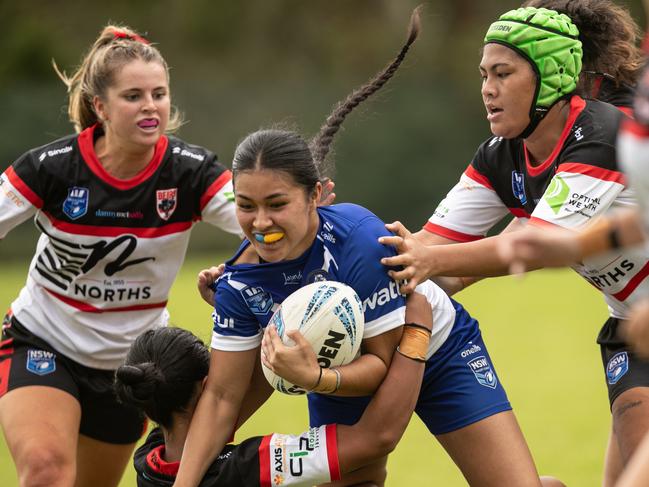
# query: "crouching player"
[[164, 374]]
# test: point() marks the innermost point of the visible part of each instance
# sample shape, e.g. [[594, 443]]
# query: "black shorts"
[[26, 360], [623, 370]]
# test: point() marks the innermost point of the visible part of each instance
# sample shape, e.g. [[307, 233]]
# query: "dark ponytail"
[[162, 373], [287, 151]]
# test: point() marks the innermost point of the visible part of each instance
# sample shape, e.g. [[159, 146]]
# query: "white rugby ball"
[[330, 316]]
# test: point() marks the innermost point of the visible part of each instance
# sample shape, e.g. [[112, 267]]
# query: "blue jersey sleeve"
[[235, 326], [361, 268]]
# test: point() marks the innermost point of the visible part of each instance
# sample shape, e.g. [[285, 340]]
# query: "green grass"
[[541, 336]]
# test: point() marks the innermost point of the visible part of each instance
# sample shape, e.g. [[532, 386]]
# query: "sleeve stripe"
[[264, 462], [592, 171], [632, 127], [215, 187], [633, 283], [452, 234], [332, 452], [519, 212], [25, 190], [473, 173]]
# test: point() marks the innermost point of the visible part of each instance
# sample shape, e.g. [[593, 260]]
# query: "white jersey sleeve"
[[217, 205], [17, 202], [580, 192], [633, 153], [469, 210], [310, 458]]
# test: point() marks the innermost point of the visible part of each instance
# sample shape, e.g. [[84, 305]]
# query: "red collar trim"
[[577, 105], [158, 465], [87, 148]]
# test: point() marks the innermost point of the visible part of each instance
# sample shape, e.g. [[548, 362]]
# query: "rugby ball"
[[330, 316]]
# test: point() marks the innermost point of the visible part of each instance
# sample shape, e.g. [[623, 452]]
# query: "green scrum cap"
[[549, 41]]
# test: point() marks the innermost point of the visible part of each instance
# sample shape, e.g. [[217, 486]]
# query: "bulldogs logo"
[[76, 204], [166, 200]]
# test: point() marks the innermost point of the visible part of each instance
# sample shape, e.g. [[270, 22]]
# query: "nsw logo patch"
[[76, 204], [258, 300], [40, 362], [483, 372], [617, 366], [165, 202]]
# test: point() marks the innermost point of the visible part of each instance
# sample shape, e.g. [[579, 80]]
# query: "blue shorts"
[[460, 386]]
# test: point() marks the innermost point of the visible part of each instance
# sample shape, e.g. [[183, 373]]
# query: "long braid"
[[321, 142]]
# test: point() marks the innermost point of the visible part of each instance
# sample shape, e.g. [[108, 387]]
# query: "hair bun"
[[130, 374]]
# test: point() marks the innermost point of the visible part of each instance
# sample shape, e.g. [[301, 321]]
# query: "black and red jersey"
[[109, 248], [307, 459], [578, 182]]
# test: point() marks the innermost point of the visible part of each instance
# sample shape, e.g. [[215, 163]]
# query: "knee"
[[46, 466]]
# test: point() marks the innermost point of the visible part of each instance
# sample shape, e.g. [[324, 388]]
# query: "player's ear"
[[316, 194]]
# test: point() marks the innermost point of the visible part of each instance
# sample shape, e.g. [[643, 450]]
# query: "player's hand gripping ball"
[[329, 315]]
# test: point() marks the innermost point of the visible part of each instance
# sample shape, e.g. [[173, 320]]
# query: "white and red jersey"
[[633, 152], [109, 248], [578, 182]]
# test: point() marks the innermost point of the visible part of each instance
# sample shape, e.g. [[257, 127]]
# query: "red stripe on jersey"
[[332, 451], [519, 212], [264, 462], [577, 105], [452, 234], [634, 128], [215, 187], [89, 308], [97, 231], [25, 190], [6, 347], [472, 172], [156, 462], [592, 171], [633, 283], [87, 149], [5, 367], [628, 111], [542, 223]]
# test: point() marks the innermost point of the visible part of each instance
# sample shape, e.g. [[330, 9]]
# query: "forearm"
[[212, 425], [621, 230], [478, 259], [362, 376]]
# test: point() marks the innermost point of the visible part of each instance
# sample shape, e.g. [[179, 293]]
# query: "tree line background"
[[237, 66]]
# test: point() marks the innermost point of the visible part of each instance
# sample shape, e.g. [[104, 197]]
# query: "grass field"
[[541, 336]]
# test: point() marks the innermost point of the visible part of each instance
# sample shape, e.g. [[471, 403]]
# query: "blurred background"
[[239, 66]]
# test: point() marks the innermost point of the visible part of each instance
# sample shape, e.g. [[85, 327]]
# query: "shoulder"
[[494, 153], [54, 153], [345, 218]]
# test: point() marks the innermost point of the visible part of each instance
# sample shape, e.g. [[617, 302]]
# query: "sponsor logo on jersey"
[[602, 280], [40, 362], [291, 279], [76, 204], [518, 186], [557, 194], [166, 200], [258, 300], [137, 215], [617, 366], [222, 322], [578, 134], [494, 141], [483, 372], [382, 296], [471, 350], [186, 153], [13, 196], [55, 152]]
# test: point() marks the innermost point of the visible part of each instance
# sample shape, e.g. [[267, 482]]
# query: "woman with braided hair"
[[115, 204], [551, 162], [291, 242], [164, 374]]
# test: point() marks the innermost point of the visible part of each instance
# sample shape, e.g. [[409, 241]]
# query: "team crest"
[[317, 275], [483, 372], [617, 366], [166, 200], [518, 186], [259, 301], [41, 362], [76, 204]]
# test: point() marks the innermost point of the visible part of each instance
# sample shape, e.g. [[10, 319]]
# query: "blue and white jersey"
[[346, 250]]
